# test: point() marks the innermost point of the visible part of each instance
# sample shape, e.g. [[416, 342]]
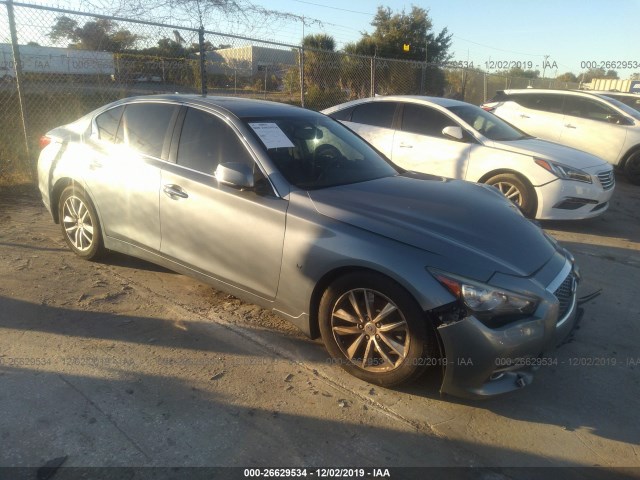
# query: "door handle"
[[522, 115], [568, 125], [173, 191], [405, 145]]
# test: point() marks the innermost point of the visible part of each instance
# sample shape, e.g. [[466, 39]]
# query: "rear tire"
[[80, 224], [375, 330], [518, 190], [632, 168]]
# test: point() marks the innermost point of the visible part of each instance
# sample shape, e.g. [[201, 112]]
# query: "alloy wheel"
[[370, 330], [77, 223]]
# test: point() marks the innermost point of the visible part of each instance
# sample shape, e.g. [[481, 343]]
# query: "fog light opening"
[[496, 376]]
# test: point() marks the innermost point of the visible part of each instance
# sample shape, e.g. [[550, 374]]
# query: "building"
[[249, 60]]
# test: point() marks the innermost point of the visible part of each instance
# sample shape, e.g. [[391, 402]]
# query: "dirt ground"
[[122, 363]]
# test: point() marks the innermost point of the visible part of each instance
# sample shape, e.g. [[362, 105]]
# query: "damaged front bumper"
[[480, 361]]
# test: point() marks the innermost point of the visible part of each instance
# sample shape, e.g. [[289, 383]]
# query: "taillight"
[[44, 141], [487, 108]]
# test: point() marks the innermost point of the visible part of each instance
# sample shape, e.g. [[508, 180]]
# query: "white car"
[[459, 140], [593, 122]]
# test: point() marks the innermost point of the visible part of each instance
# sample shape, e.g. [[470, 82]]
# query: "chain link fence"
[[57, 65]]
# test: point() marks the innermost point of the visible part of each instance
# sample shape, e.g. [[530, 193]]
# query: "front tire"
[[80, 224], [518, 190], [632, 168], [375, 330]]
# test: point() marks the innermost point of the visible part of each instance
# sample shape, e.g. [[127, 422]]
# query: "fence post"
[[15, 50], [203, 69], [485, 88], [301, 62], [373, 76]]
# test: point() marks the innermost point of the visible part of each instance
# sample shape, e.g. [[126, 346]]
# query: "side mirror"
[[235, 174], [617, 119], [453, 132]]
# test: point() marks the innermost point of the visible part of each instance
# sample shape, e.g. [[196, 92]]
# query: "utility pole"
[[544, 65], [423, 84]]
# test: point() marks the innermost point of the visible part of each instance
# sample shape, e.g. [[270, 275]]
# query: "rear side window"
[[377, 114], [344, 114], [539, 101], [144, 127], [107, 124], [424, 120], [206, 141]]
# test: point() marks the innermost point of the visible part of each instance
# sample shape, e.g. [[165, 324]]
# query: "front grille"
[[564, 293], [607, 179]]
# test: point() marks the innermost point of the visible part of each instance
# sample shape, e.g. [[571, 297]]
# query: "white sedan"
[[459, 140]]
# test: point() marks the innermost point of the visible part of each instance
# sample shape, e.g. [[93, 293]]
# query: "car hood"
[[549, 151], [469, 229]]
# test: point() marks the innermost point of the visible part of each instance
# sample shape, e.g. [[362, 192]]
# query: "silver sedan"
[[288, 209]]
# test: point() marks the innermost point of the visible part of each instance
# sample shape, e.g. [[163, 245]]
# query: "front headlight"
[[487, 303], [563, 171]]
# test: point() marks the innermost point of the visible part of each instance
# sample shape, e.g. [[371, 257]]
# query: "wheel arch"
[[628, 154], [57, 190], [523, 178], [328, 278]]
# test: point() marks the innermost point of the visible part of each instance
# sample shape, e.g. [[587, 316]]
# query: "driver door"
[[231, 235], [419, 144]]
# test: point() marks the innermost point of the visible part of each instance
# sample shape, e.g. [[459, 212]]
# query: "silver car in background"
[[288, 209]]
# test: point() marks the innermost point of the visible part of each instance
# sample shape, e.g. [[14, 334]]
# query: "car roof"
[[616, 92], [240, 107], [443, 102], [552, 91]]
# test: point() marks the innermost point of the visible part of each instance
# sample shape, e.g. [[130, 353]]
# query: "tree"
[[318, 55], [394, 31], [520, 73], [101, 34], [567, 77], [589, 75], [407, 37]]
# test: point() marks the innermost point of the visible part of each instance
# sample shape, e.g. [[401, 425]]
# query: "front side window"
[[206, 141], [586, 108], [487, 124], [424, 120], [107, 123], [376, 114], [144, 127]]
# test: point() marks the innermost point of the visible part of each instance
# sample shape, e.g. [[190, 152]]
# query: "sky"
[[492, 32]]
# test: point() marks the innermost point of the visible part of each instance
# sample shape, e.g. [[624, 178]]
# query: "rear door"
[[374, 121], [538, 114], [129, 145], [232, 235], [419, 144]]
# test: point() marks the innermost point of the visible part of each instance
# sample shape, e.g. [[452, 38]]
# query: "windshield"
[[314, 151], [487, 124], [624, 107]]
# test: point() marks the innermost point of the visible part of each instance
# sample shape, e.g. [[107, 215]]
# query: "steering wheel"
[[327, 152], [328, 158]]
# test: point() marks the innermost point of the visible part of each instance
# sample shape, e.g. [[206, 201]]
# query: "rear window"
[[107, 124], [344, 114], [377, 114], [544, 102], [144, 127]]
